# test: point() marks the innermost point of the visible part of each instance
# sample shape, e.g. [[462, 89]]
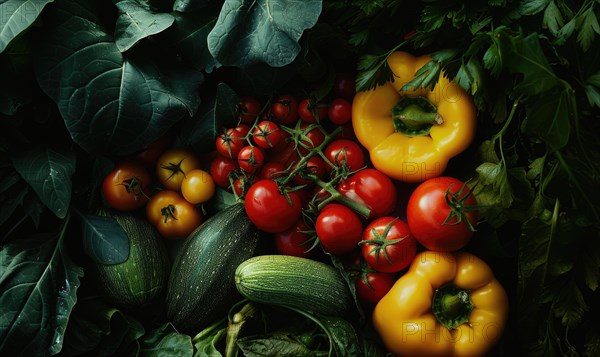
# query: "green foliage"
[[38, 287], [136, 22], [16, 16], [104, 240]]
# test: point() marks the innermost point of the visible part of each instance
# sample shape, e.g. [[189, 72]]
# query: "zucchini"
[[201, 285], [142, 278], [290, 281]]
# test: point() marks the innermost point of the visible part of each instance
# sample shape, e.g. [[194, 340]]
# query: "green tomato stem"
[[335, 195]]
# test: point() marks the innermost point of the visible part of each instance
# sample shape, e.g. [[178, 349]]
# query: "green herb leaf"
[[116, 105], [136, 22], [588, 27], [569, 304], [527, 58], [273, 346], [532, 7], [548, 118], [342, 335], [17, 16], [38, 289], [553, 18], [104, 240], [427, 76], [248, 32], [48, 172], [469, 75], [189, 5]]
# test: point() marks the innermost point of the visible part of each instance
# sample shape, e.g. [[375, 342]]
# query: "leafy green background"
[[85, 83]]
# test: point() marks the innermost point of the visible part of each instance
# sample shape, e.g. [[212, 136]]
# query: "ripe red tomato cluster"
[[168, 182]]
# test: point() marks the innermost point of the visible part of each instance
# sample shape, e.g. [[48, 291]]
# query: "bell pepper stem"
[[414, 115], [451, 306]]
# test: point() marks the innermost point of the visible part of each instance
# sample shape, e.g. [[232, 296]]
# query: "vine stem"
[[337, 196]]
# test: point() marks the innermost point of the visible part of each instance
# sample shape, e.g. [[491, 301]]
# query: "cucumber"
[[142, 279], [201, 285], [296, 282]]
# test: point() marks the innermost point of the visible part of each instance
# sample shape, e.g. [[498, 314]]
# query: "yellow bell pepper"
[[447, 304], [411, 135]]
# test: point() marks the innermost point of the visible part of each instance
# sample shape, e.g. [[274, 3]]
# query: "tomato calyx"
[[361, 271], [173, 168], [134, 186], [458, 209], [168, 212], [380, 242]]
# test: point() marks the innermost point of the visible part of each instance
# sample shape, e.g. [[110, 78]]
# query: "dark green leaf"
[[214, 116], [48, 172], [223, 199], [531, 7], [114, 105], [569, 304], [373, 71], [592, 344], [189, 5], [38, 288], [553, 18], [339, 264], [205, 341], [166, 341], [104, 240], [548, 118], [33, 207], [136, 22], [16, 16], [96, 327], [566, 31], [188, 38], [11, 201], [342, 335], [592, 89], [469, 75], [588, 28], [590, 261], [273, 346], [248, 32], [527, 58], [427, 76]]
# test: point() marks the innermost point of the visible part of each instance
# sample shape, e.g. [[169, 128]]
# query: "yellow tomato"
[[197, 186]]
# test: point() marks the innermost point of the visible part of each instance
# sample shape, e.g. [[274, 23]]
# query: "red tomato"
[[295, 241], [250, 158], [312, 111], [388, 245], [313, 137], [340, 111], [242, 184], [373, 286], [284, 109], [248, 109], [348, 152], [437, 225], [339, 229], [314, 166], [373, 189], [220, 168], [126, 186], [229, 143], [267, 134], [271, 170], [269, 209], [172, 215]]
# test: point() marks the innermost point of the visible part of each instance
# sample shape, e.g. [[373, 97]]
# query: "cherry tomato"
[[269, 209], [344, 87], [248, 109], [313, 137], [250, 158], [339, 229], [150, 154], [348, 152], [220, 168], [271, 170], [340, 111], [437, 225], [229, 143], [373, 189], [373, 286], [172, 215], [284, 109], [173, 165], [126, 186], [295, 241], [388, 246], [242, 184], [197, 186], [267, 134], [312, 111], [314, 166]]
